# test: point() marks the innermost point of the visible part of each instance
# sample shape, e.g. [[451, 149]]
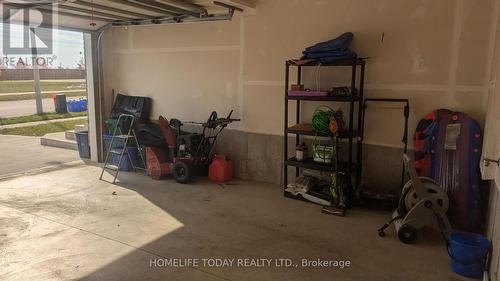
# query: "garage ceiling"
[[94, 14]]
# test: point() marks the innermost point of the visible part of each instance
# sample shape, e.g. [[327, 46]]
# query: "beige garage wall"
[[436, 53], [187, 69]]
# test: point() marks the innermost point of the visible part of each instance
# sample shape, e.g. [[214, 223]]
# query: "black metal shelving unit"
[[353, 135]]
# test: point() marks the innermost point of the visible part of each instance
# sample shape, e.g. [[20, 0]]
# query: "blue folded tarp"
[[338, 44], [332, 50], [345, 54]]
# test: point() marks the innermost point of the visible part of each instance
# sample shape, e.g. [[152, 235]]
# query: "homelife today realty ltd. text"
[[248, 262]]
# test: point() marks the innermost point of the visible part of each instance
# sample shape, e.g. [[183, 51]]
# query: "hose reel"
[[423, 203]]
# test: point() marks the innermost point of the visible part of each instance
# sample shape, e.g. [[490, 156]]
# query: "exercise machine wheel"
[[182, 172]]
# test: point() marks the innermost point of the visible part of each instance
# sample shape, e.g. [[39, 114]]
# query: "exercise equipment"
[[422, 203], [448, 150]]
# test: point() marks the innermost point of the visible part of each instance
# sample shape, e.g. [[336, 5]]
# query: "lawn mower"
[[188, 154], [423, 203]]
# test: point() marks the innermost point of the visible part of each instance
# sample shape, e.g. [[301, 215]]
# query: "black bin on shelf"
[[60, 103], [82, 140]]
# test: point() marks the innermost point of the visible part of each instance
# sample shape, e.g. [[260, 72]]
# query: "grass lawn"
[[28, 86], [41, 130], [41, 117], [21, 86]]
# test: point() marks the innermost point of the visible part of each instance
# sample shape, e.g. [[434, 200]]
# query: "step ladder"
[[119, 146]]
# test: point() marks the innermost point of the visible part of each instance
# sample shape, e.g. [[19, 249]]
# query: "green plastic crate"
[[112, 123]]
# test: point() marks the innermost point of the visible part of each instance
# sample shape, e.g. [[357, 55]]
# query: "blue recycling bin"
[[82, 140], [77, 105]]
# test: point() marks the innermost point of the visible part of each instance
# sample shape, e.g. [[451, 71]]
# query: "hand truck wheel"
[[407, 234]]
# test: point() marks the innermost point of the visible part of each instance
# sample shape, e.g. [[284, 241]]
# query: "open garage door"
[[35, 131], [93, 15]]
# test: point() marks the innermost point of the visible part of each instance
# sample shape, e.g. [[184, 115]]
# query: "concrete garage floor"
[[66, 224], [19, 154]]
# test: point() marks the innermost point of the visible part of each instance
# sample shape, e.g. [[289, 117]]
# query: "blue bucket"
[[469, 253]]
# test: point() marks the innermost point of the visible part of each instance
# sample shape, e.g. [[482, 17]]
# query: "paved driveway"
[[23, 107], [19, 154]]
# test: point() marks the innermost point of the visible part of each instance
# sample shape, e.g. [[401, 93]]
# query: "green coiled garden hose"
[[321, 119]]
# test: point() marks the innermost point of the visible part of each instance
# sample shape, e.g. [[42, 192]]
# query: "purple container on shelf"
[[308, 93]]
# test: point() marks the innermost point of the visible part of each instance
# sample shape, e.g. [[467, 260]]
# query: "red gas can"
[[221, 169]]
